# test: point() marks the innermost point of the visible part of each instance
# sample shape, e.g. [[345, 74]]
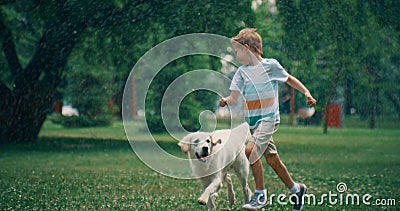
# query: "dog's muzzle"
[[203, 154]]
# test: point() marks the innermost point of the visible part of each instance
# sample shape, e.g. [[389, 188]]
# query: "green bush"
[[55, 118], [89, 91], [84, 121], [80, 121]]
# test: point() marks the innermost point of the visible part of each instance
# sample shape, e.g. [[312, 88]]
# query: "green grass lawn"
[[96, 169]]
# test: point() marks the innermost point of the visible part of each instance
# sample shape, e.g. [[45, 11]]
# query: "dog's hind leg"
[[231, 192]]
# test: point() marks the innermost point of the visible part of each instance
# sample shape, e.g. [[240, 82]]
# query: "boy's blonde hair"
[[250, 37]]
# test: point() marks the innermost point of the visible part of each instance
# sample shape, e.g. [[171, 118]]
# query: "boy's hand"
[[222, 102], [310, 100]]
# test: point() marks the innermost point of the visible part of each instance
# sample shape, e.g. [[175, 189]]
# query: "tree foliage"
[[195, 17], [350, 45], [42, 39], [337, 48]]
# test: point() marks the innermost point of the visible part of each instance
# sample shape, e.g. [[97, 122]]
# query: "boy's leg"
[[297, 190], [256, 165], [259, 199], [254, 150], [280, 169]]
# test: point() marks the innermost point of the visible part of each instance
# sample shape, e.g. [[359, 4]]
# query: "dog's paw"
[[202, 201]]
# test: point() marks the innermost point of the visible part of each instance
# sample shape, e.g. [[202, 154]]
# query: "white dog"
[[212, 155]]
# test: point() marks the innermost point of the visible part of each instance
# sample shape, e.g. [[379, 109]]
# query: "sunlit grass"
[[66, 169]]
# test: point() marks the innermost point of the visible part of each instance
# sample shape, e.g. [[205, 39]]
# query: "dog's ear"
[[215, 142], [185, 144]]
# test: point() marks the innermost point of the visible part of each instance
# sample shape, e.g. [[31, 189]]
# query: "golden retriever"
[[212, 155]]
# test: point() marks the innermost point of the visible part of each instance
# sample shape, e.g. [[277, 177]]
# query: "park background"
[[80, 53]]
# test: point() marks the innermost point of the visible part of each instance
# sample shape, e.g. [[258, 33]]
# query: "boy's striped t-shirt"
[[259, 87]]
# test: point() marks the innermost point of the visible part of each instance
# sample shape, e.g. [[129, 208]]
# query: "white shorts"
[[262, 137]]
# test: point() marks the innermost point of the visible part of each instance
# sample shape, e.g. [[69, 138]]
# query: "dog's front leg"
[[213, 187], [241, 168]]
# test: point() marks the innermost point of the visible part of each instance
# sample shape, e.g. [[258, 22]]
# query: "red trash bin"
[[57, 108], [334, 116]]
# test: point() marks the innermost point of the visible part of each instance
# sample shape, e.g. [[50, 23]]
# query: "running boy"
[[257, 80]]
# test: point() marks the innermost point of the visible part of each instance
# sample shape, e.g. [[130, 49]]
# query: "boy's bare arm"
[[230, 100], [295, 83]]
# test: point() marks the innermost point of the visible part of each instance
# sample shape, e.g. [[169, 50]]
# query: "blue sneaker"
[[298, 198], [258, 201]]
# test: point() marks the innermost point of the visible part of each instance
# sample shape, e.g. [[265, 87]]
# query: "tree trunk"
[[348, 96], [292, 106], [25, 118], [330, 95], [27, 104], [373, 108]]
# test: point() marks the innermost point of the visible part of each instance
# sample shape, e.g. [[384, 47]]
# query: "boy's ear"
[[184, 144]]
